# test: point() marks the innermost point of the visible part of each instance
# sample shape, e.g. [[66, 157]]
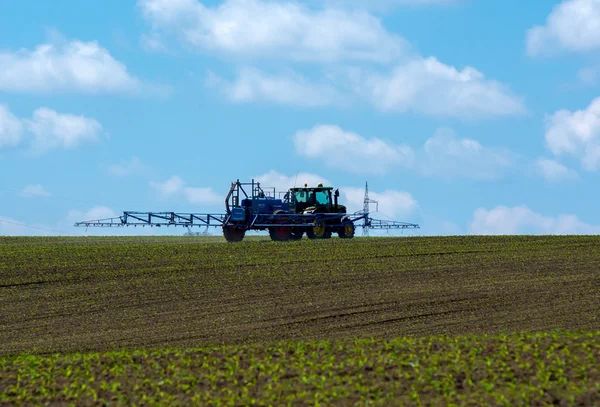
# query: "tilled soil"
[[98, 294]]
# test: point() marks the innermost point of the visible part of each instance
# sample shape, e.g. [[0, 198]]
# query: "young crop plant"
[[545, 368]]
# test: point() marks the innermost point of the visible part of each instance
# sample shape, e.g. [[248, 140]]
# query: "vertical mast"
[[366, 210]]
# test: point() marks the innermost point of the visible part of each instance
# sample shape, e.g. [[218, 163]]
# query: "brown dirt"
[[95, 294]]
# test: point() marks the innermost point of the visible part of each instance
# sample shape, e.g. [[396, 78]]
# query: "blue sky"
[[466, 116]]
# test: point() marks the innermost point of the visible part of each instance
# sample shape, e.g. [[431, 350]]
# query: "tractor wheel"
[[233, 234], [347, 231], [280, 233], [318, 231]]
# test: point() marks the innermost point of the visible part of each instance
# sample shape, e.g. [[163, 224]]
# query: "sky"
[[464, 116]]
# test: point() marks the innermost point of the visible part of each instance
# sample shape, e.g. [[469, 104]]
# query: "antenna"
[[296, 179], [367, 202]]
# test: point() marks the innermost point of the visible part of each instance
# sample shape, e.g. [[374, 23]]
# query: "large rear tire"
[[280, 233], [233, 234]]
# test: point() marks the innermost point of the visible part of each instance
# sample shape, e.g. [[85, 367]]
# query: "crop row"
[[551, 368]]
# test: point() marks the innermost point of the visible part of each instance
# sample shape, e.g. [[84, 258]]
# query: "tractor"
[[308, 200], [286, 216], [311, 210]]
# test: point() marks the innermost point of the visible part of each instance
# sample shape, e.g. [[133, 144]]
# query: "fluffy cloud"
[[170, 187], [175, 187], [350, 151], [503, 220], [288, 30], [252, 85], [448, 156], [282, 183], [392, 204], [196, 195], [283, 29], [72, 66], [425, 85], [34, 191], [11, 128], [419, 85], [48, 129], [53, 130], [576, 134], [442, 155], [572, 25], [554, 171], [133, 166]]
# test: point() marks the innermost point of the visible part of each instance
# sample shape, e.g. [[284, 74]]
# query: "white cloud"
[[282, 183], [425, 85], [329, 32], [290, 89], [283, 29], [576, 134], [53, 130], [48, 128], [34, 191], [420, 85], [72, 66], [503, 220], [554, 171], [175, 187], [448, 156], [442, 155], [11, 128], [572, 25], [202, 196], [392, 204], [170, 187], [133, 166], [350, 151]]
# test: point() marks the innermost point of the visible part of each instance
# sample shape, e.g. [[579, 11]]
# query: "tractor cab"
[[310, 199]]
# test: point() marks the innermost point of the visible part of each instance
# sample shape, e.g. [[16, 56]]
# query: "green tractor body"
[[320, 200]]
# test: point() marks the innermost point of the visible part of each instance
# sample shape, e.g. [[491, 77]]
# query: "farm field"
[[556, 368], [144, 307]]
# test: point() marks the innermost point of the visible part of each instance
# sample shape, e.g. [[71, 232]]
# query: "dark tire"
[[233, 234], [347, 231], [296, 234], [280, 233]]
